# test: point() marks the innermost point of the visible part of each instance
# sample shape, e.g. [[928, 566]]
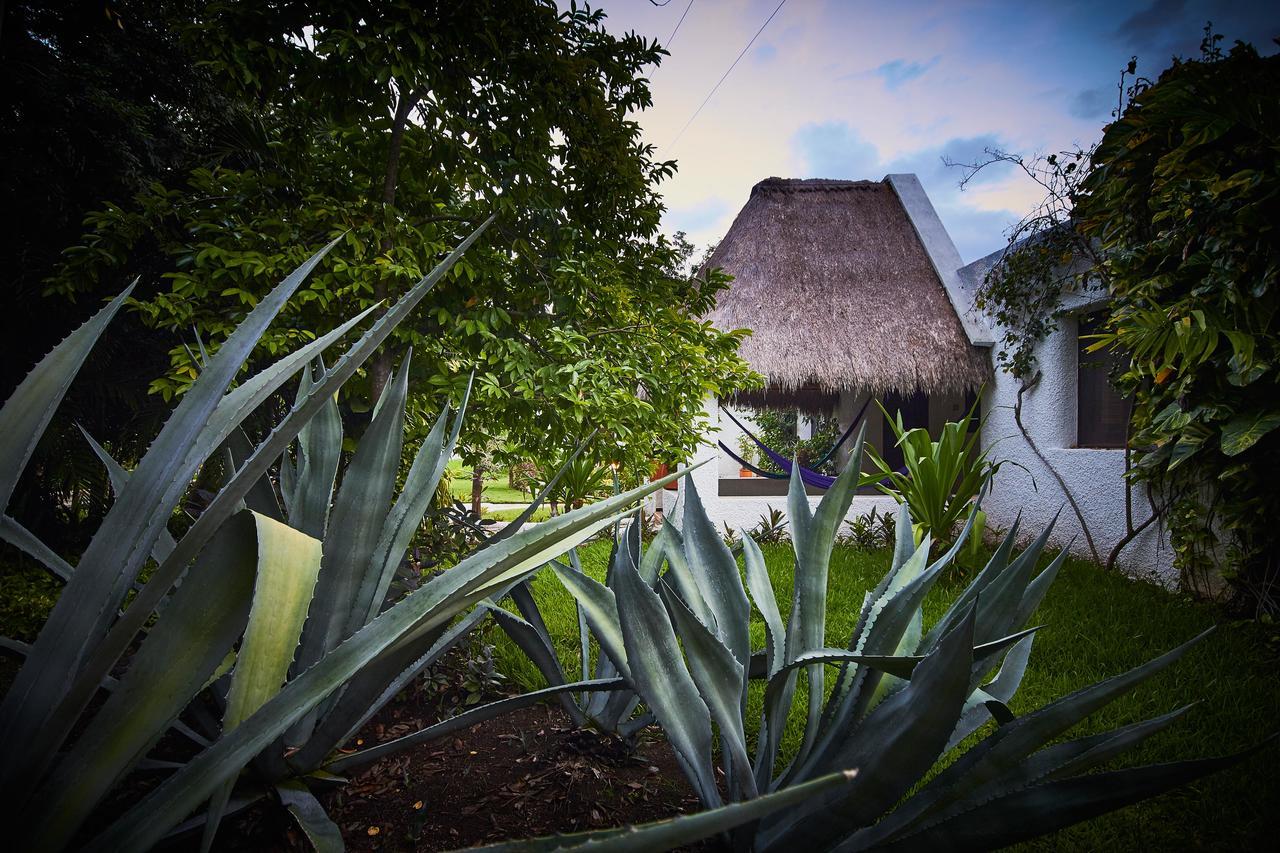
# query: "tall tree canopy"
[[400, 126]]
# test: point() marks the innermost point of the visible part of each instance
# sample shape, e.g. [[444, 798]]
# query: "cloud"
[[695, 217], [834, 150], [1092, 103], [900, 71], [1148, 27], [764, 53]]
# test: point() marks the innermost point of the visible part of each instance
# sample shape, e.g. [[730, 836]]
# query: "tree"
[[399, 126]]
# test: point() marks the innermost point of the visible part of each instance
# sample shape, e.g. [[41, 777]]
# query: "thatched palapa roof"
[[839, 292]]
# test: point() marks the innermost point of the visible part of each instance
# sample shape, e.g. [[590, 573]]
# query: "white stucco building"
[[854, 289]]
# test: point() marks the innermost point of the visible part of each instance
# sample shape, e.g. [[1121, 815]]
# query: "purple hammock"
[[808, 475]]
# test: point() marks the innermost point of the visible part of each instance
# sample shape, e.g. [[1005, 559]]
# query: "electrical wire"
[[671, 38], [726, 74]]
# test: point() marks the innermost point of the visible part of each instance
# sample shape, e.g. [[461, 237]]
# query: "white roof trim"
[[942, 254]]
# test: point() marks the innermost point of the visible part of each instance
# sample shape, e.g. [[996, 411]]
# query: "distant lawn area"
[[1097, 624], [496, 490], [539, 514]]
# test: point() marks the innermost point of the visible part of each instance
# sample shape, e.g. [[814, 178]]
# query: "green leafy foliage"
[[942, 480], [399, 132], [1183, 199]]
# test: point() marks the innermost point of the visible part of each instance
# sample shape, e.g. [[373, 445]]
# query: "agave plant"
[[902, 697], [222, 610]]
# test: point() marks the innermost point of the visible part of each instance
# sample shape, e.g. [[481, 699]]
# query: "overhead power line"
[[671, 38], [726, 74]]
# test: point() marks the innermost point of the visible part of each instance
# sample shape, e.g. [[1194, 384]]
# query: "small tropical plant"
[[870, 531], [940, 480], [155, 621], [573, 479], [902, 697]]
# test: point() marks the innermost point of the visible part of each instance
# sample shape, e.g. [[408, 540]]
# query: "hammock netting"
[[808, 475]]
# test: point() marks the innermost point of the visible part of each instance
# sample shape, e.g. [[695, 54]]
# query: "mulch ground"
[[525, 774]]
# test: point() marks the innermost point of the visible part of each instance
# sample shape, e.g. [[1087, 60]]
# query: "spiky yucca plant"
[[902, 697]]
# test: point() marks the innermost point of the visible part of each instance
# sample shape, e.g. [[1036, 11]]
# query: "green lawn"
[[496, 489], [1097, 625], [539, 514]]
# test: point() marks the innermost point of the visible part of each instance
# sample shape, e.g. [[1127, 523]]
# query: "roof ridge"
[[776, 184]]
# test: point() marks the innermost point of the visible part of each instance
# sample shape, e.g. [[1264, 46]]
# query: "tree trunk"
[[477, 488], [380, 363]]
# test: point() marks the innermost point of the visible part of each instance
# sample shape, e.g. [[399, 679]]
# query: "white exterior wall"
[[1095, 477]]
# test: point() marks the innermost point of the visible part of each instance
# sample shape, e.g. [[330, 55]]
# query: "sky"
[[849, 89]]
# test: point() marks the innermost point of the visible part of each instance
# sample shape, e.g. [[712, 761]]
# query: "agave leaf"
[[346, 763], [227, 501], [118, 477], [288, 564], [762, 594], [537, 646], [172, 665], [31, 406], [1007, 746], [434, 604], [656, 554], [600, 608], [27, 542], [1041, 809], [111, 563], [1001, 689], [261, 497], [716, 573], [310, 490], [813, 541], [374, 686], [719, 677], [419, 490], [659, 675], [893, 746], [681, 831], [359, 514], [323, 833], [681, 577]]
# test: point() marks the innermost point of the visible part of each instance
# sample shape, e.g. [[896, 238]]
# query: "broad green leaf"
[[287, 566], [1244, 431], [174, 662]]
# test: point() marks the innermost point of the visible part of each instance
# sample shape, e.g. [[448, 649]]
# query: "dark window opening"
[[1102, 415]]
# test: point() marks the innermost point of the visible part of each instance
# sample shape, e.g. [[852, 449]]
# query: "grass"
[[1098, 624], [539, 514], [495, 491]]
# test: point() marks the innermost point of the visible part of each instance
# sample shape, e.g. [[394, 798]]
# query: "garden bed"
[[1097, 624]]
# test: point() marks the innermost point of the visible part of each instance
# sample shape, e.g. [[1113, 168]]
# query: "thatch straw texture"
[[831, 278]]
